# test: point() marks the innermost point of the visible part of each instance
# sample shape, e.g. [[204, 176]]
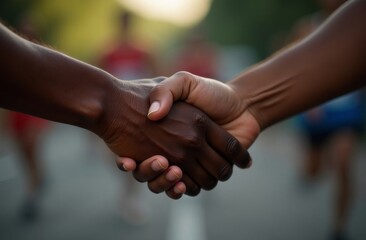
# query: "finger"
[[215, 164], [192, 189], [166, 180], [200, 176], [227, 145], [164, 94], [177, 191], [161, 100], [150, 168], [126, 164]]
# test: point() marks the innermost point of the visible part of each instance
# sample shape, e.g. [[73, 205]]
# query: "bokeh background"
[[81, 194]]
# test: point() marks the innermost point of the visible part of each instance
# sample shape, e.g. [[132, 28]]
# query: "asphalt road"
[[82, 196]]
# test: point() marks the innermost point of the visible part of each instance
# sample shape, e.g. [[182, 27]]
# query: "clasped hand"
[[200, 152]]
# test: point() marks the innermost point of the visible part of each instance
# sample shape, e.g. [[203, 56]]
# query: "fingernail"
[[179, 188], [172, 175], [154, 107], [157, 166], [121, 166]]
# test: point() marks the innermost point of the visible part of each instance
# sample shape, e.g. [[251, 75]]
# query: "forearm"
[[42, 82], [328, 63]]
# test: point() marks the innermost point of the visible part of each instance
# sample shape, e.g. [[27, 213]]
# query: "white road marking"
[[187, 220]]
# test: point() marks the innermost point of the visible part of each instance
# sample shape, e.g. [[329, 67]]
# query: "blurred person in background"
[[27, 132], [331, 131], [126, 57], [197, 55]]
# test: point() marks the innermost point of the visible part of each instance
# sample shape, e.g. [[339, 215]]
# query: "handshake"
[[194, 143], [178, 148], [185, 133]]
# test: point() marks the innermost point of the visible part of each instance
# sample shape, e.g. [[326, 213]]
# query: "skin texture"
[[328, 63], [187, 135], [42, 82], [280, 86]]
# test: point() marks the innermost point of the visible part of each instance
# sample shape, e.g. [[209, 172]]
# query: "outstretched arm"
[[39, 81], [46, 83], [328, 63]]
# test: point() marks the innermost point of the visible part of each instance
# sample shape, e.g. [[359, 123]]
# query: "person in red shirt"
[[27, 131], [197, 56], [128, 59]]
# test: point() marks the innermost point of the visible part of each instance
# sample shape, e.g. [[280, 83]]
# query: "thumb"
[[165, 93], [161, 100]]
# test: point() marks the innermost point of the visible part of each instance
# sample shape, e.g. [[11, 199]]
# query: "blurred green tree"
[[12, 10], [79, 28], [255, 23], [82, 28]]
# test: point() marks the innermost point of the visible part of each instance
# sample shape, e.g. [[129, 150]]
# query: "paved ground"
[[82, 196]]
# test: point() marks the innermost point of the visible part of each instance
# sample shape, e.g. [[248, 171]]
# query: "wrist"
[[245, 86], [93, 109], [123, 115], [268, 91], [121, 99]]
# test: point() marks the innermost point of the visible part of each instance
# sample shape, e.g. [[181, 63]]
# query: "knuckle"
[[232, 146], [193, 140], [182, 74], [159, 79], [225, 172], [158, 88], [200, 119], [185, 77]]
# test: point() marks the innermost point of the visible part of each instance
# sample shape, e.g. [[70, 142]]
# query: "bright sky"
[[179, 12]]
